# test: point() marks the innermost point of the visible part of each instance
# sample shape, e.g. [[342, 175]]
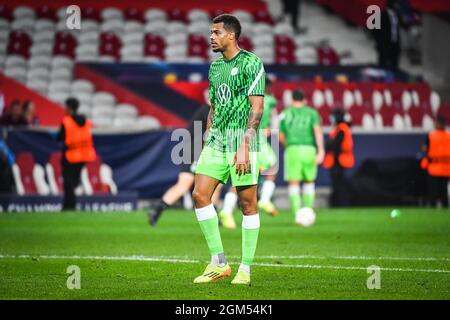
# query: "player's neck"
[[298, 105], [230, 53]]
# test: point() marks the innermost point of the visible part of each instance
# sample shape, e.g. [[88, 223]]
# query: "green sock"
[[295, 202], [249, 239], [308, 200], [210, 229], [309, 194]]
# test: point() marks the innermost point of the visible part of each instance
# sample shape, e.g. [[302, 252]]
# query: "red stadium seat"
[[357, 113], [110, 45], [197, 46], [245, 43], [263, 16], [327, 56], [134, 14], [45, 12], [5, 13], [25, 164], [65, 44], [90, 13], [97, 178], [176, 14], [19, 43], [154, 45]]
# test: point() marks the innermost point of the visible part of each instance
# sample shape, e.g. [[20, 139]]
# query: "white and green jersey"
[[230, 84]]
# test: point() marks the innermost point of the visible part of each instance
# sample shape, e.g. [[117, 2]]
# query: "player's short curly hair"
[[298, 95], [230, 23]]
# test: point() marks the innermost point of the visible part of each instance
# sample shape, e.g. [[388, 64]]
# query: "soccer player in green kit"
[[301, 134], [267, 159], [236, 87]]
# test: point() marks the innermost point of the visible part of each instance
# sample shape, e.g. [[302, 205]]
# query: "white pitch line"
[[334, 258], [165, 259], [355, 258]]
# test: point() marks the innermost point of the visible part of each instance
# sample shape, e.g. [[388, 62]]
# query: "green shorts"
[[300, 163], [266, 157], [217, 164]]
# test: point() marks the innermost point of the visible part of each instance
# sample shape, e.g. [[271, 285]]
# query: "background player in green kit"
[[267, 159], [301, 134], [236, 88]]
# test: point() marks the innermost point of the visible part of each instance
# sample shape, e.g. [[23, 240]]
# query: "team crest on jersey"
[[223, 94], [234, 71]]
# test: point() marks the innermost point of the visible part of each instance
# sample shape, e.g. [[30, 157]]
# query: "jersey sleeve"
[[256, 77], [316, 119]]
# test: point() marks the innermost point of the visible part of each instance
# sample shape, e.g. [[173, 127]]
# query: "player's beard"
[[218, 50]]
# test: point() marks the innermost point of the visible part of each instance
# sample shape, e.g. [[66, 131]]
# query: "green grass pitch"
[[121, 257]]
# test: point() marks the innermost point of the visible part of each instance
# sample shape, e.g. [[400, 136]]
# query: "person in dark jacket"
[[387, 38], [339, 158]]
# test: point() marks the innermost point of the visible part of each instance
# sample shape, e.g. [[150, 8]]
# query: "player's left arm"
[[242, 158], [318, 135]]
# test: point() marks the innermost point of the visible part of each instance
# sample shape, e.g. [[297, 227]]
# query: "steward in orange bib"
[[339, 158], [437, 163], [78, 148]]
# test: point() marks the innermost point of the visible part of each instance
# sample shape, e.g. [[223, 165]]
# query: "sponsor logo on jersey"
[[224, 94]]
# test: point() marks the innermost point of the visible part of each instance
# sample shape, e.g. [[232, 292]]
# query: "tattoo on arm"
[[252, 125]]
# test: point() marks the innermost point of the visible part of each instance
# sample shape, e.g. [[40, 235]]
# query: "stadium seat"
[[114, 25], [44, 25], [29, 177], [176, 14], [54, 173], [111, 13], [148, 122], [62, 62], [14, 60], [89, 37], [245, 43], [197, 46], [263, 16], [155, 15], [88, 25], [133, 14], [59, 86], [110, 45], [103, 98], [19, 43], [125, 110], [368, 123], [23, 24], [196, 15], [17, 73], [243, 16], [97, 177], [24, 12], [81, 85], [46, 12], [6, 13], [156, 27], [89, 13], [59, 97]]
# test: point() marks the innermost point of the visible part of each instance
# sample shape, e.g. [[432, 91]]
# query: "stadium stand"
[[38, 50]]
